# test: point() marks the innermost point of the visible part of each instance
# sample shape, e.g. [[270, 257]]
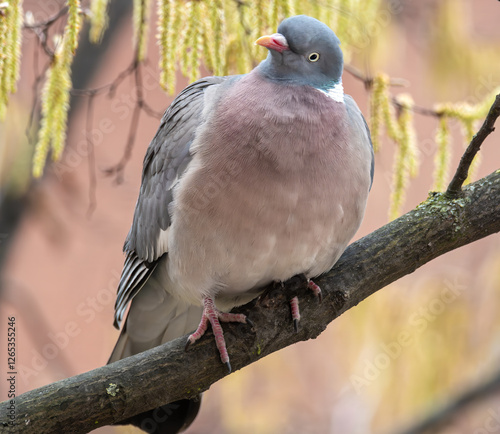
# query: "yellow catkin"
[[56, 93], [6, 81], [273, 13], [298, 6], [10, 51], [3, 63], [343, 21], [388, 114], [408, 135], [378, 89], [142, 9], [405, 163], [261, 17], [190, 41], [49, 99], [72, 29], [172, 38], [220, 67], [196, 42], [467, 115], [69, 45], [163, 24], [16, 24], [98, 20], [207, 33], [442, 158], [243, 58], [288, 8], [399, 182], [61, 112], [186, 37]]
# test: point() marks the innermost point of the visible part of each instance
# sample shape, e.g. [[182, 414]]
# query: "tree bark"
[[167, 373]]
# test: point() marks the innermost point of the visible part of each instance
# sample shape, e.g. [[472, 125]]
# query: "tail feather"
[[156, 317]]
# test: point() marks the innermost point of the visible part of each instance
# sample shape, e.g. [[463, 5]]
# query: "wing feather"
[[166, 159]]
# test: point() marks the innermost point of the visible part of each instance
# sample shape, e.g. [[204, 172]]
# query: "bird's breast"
[[267, 195]]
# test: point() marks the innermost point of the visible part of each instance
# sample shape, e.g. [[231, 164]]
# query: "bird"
[[250, 179]]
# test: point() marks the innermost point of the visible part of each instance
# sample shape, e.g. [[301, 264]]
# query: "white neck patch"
[[336, 92]]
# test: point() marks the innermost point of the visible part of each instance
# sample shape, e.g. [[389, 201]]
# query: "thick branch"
[[463, 168], [167, 373]]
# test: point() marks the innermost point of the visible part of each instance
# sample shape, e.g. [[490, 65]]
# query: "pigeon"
[[250, 179]]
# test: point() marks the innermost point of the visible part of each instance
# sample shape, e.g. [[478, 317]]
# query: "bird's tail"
[[155, 317]]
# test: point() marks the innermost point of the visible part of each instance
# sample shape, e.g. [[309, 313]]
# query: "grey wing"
[[355, 113], [166, 159]]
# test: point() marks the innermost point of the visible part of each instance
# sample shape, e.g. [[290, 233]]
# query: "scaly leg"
[[214, 316]]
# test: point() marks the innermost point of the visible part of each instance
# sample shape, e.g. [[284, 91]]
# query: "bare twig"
[[48, 22], [140, 104], [417, 109], [463, 168], [41, 30], [395, 82], [117, 169], [36, 86], [368, 81]]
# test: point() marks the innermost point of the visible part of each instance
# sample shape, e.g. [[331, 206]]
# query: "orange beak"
[[276, 42]]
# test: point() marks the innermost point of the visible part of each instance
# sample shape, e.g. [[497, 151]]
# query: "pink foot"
[[213, 315], [294, 303], [315, 289]]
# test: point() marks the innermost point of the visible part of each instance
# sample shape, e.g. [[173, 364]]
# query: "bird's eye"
[[313, 57]]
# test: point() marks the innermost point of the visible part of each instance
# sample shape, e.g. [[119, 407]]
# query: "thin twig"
[[356, 73], [486, 129], [36, 84], [41, 29], [395, 82], [48, 22], [117, 81], [118, 168], [151, 111], [110, 88], [140, 104]]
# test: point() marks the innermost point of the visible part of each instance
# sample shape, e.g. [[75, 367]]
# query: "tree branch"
[[167, 373], [463, 168]]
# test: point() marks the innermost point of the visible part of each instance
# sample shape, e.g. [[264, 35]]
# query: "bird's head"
[[304, 51]]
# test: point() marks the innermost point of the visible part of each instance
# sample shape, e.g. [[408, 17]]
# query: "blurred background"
[[391, 360]]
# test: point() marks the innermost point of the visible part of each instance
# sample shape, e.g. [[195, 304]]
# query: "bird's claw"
[[213, 316], [294, 303], [315, 289]]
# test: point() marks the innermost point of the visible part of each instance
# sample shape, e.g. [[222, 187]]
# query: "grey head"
[[304, 51]]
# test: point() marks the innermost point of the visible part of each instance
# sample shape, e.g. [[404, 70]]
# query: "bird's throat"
[[335, 92]]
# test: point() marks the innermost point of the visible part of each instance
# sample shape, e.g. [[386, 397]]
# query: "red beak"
[[275, 42]]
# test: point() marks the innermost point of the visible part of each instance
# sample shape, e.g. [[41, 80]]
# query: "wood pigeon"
[[249, 180]]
